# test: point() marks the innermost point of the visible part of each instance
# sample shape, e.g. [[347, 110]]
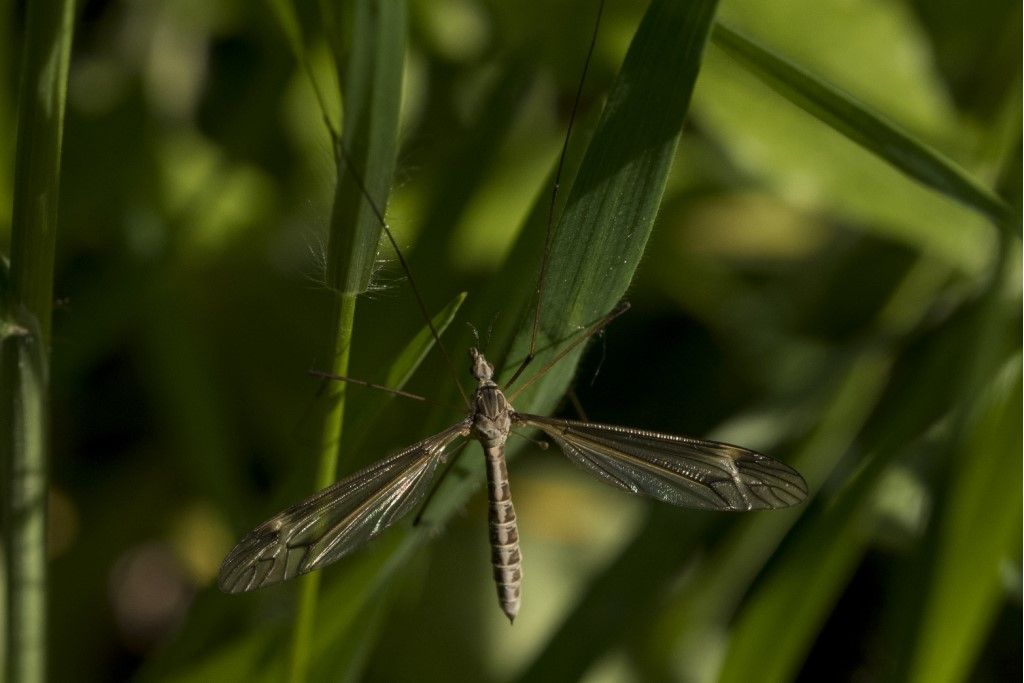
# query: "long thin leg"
[[576, 405], [550, 234], [584, 336], [381, 387]]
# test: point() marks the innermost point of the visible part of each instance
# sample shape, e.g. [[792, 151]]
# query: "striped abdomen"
[[505, 557]]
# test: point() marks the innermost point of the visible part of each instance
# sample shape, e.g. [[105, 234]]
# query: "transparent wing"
[[689, 472], [338, 519]]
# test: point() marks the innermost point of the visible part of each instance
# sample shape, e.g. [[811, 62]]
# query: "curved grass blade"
[[872, 131], [410, 357], [958, 574]]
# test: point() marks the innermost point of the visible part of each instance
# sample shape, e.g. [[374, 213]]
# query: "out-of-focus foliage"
[[798, 295]]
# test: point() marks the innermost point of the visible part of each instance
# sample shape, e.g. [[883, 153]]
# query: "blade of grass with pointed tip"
[[872, 131], [410, 357]]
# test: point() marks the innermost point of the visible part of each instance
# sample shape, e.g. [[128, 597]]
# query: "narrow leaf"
[[853, 119]]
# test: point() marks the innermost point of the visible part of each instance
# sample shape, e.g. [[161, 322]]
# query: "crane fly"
[[327, 526], [341, 518]]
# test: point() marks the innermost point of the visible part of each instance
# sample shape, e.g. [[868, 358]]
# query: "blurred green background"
[[798, 295]]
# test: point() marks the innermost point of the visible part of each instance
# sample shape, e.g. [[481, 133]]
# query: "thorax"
[[492, 415]]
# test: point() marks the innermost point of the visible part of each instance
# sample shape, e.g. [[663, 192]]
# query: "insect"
[[339, 519], [343, 517]]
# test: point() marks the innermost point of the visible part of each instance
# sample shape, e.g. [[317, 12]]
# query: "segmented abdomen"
[[505, 557]]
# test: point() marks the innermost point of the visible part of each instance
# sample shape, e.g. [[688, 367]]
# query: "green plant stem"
[[24, 418], [25, 314], [327, 468]]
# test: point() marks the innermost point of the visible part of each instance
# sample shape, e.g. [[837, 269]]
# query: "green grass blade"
[[372, 100], [872, 131], [979, 530], [25, 316], [611, 207], [372, 92], [41, 108], [977, 526], [410, 357]]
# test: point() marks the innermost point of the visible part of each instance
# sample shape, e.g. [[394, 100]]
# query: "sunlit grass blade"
[[856, 121], [410, 357], [372, 93]]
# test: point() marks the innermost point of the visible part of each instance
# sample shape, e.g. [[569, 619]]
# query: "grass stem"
[[26, 304], [327, 468]]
